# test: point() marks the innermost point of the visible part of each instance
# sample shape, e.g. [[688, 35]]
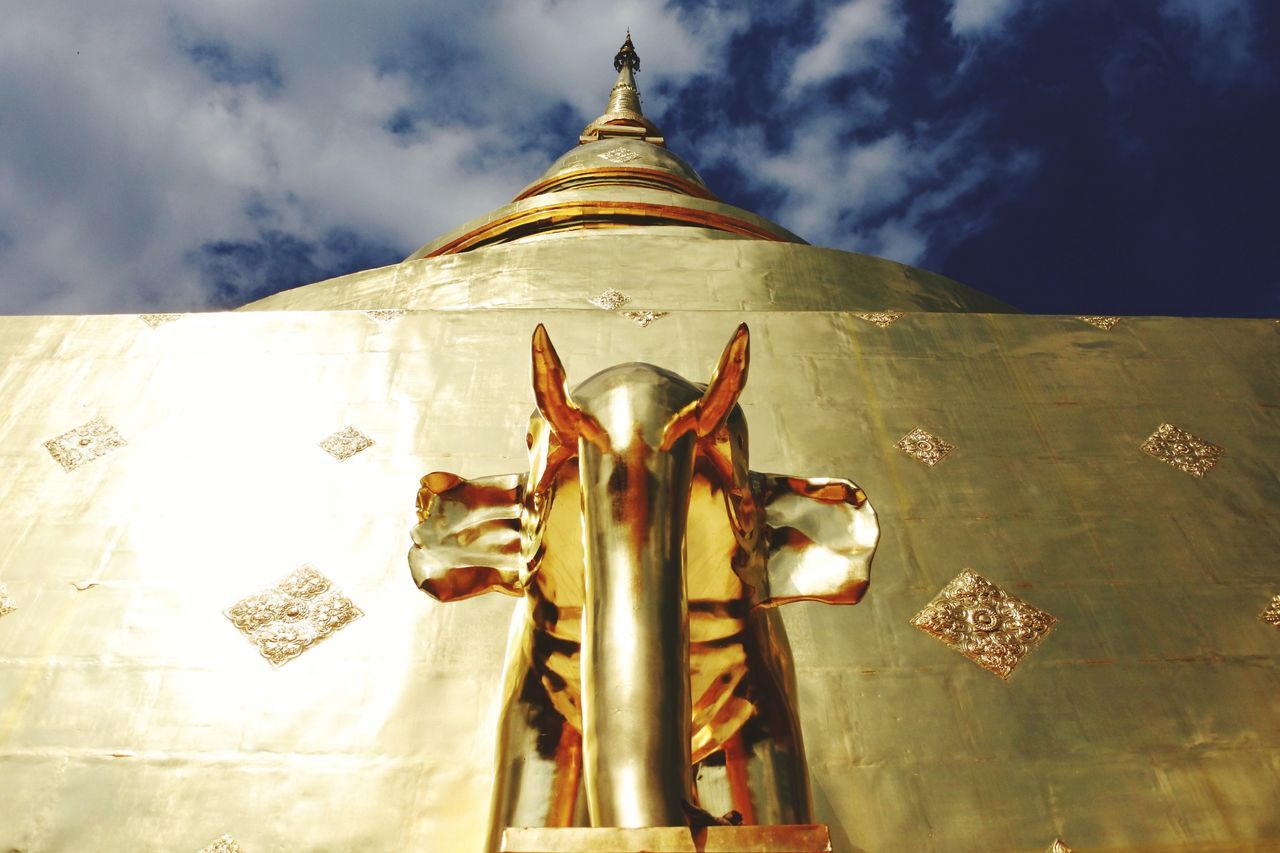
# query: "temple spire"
[[623, 116], [627, 55]]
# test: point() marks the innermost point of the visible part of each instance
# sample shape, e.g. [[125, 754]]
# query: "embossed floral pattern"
[[883, 319], [7, 604], [384, 315], [293, 616], [924, 446], [156, 320], [610, 300], [619, 155], [84, 444], [346, 443], [644, 318], [225, 844], [984, 623], [304, 582], [1271, 615], [1182, 450], [1104, 323]]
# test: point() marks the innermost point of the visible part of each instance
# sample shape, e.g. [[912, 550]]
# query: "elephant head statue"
[[649, 680]]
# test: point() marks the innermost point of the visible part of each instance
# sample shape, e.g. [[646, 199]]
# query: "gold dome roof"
[[620, 205], [619, 161]]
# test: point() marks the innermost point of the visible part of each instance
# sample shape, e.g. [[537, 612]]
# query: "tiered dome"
[[620, 207]]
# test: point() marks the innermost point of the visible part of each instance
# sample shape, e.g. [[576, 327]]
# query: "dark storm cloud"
[[1063, 155]]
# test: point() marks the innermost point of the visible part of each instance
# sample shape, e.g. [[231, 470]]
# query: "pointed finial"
[[627, 55], [622, 116]]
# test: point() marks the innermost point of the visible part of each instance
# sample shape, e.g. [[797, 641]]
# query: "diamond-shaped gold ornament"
[[7, 604], [619, 155], [644, 318], [925, 446], [610, 300], [346, 443], [883, 319], [294, 615], [225, 844], [1271, 615], [1104, 323], [156, 320], [1182, 450], [384, 315], [84, 444], [984, 623]]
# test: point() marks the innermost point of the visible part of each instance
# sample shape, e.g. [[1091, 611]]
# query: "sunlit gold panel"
[[134, 715]]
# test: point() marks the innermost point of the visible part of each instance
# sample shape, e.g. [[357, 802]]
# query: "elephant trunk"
[[635, 634]]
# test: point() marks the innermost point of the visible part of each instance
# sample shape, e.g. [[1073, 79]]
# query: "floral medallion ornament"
[[156, 320], [1104, 323], [384, 315], [294, 615], [346, 443], [922, 445], [610, 300], [1271, 615], [883, 319], [225, 844], [84, 444], [619, 155], [644, 318], [1182, 450], [7, 604], [984, 623]]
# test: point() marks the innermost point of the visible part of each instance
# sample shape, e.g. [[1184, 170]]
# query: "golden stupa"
[[209, 638]]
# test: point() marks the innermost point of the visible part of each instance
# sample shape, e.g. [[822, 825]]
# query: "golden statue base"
[[800, 838]]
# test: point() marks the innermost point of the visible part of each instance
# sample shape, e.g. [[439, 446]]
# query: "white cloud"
[[906, 195], [853, 37], [976, 18], [120, 155]]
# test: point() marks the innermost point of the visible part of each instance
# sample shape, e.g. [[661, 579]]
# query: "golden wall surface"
[[665, 268], [135, 716]]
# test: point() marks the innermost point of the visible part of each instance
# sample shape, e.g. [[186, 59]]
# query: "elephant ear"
[[467, 541], [822, 534]]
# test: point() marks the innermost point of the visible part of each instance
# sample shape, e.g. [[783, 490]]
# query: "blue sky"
[[1067, 156]]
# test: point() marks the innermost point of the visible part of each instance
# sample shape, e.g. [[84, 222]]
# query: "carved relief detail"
[[1271, 615], [644, 318], [346, 443], [610, 300], [84, 444], [225, 844], [384, 315], [1059, 846], [7, 604], [1182, 450], [1104, 323], [925, 446], [619, 155], [294, 615], [155, 320], [883, 319], [984, 623]]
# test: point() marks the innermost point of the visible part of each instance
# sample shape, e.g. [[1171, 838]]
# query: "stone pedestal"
[[804, 838]]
